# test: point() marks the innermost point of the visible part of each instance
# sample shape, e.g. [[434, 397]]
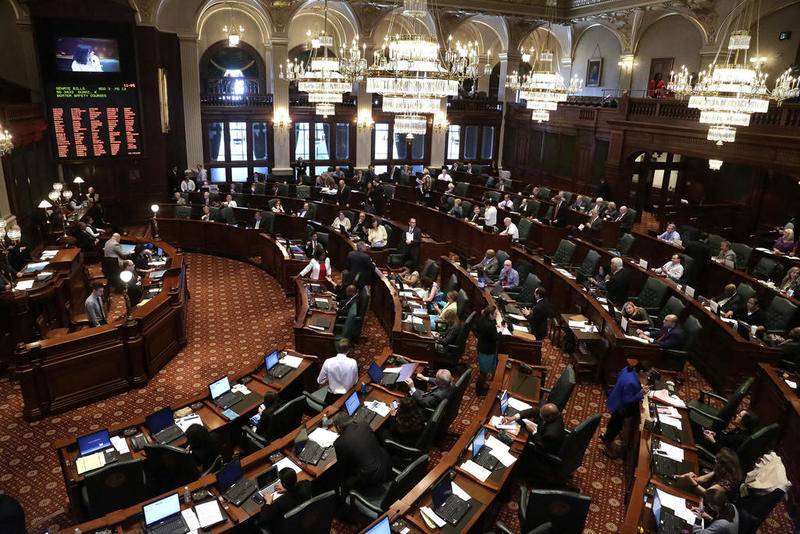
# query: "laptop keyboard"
[[228, 399], [175, 526], [169, 434], [312, 453], [453, 509], [389, 379], [665, 466], [240, 491], [671, 524], [364, 415], [280, 370], [485, 459]]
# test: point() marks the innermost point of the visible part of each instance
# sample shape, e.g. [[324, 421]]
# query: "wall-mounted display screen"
[[86, 54]]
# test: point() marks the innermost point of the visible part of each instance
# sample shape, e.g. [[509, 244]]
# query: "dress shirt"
[[339, 373], [341, 224], [95, 311], [507, 205], [670, 236], [509, 277], [730, 255], [257, 223], [92, 232], [187, 186], [232, 204], [490, 216], [672, 270], [511, 230], [444, 178], [377, 236]]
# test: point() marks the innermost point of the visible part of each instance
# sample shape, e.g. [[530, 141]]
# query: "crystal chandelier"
[[6, 144], [352, 63], [410, 125], [734, 86], [715, 164], [233, 31], [320, 77]]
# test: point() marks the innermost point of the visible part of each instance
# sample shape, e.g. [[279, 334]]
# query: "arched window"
[[231, 73]]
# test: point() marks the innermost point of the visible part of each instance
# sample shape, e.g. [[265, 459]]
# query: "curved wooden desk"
[[69, 371]]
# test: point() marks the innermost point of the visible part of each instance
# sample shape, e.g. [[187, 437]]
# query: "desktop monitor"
[[161, 509], [94, 442], [159, 420], [478, 441], [381, 528], [352, 403], [504, 402], [406, 370], [441, 491], [229, 474], [220, 387], [271, 359], [375, 372]]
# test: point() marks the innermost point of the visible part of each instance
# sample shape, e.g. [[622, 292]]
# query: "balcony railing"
[[234, 92], [475, 104]]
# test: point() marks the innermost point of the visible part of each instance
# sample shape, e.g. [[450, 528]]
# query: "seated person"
[[581, 203], [376, 235], [85, 240], [258, 221], [206, 216], [506, 204], [450, 307], [595, 224], [451, 333], [726, 253], [525, 208], [229, 202], [341, 223], [510, 229], [361, 462], [752, 315], [719, 515], [489, 264], [361, 226], [670, 336], [203, 445], [341, 289], [625, 219], [339, 373], [409, 277], [727, 473], [292, 493], [670, 235], [790, 349], [178, 198], [428, 290], [475, 217], [728, 302], [673, 269], [508, 277], [791, 282], [785, 243], [305, 211], [456, 210], [278, 207], [545, 427], [451, 189], [442, 388], [637, 318], [744, 424], [612, 212], [272, 403], [318, 267], [141, 258], [313, 246], [350, 298], [538, 315]]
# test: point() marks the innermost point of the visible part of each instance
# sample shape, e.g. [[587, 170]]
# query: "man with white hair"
[[442, 388], [625, 219], [510, 229], [616, 283], [113, 249]]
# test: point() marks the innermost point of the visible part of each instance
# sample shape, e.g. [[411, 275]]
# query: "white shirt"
[[340, 373], [511, 230], [444, 177], [257, 223], [187, 186], [410, 235], [313, 268], [672, 270], [343, 223], [202, 175], [232, 204], [490, 216], [507, 204]]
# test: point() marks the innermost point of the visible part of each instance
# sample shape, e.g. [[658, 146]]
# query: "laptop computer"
[[98, 442], [505, 409], [307, 451], [446, 504], [390, 379], [268, 481], [275, 369], [222, 395], [359, 413], [231, 483], [164, 516], [666, 521], [127, 249], [480, 453], [497, 290], [382, 527], [162, 427]]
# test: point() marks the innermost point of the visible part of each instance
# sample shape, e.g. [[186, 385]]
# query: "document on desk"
[[24, 285], [501, 451], [459, 492], [671, 421], [90, 463], [323, 437], [185, 422], [431, 516], [511, 428], [416, 320], [191, 519], [576, 324], [315, 327], [120, 444], [292, 361], [209, 513], [518, 404], [49, 254], [407, 293], [287, 462], [670, 451], [640, 340], [516, 317], [505, 331], [669, 411], [791, 383], [495, 444], [380, 408], [662, 395], [677, 505], [520, 328], [481, 473]]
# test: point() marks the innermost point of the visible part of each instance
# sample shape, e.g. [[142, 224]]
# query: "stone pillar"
[[5, 204], [627, 62], [364, 127], [269, 69], [29, 60], [280, 107], [509, 63], [439, 137], [190, 78], [483, 81]]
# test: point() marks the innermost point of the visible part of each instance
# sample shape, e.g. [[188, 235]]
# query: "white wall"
[[594, 42], [672, 36], [780, 54]]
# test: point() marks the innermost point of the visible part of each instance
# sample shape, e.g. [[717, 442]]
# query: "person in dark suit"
[[475, 217], [549, 433], [292, 493], [313, 247], [305, 211], [85, 240], [538, 315], [272, 403], [615, 283], [559, 216], [343, 193], [361, 460], [625, 219], [595, 224], [450, 336], [134, 287], [729, 301], [361, 227], [349, 300], [406, 424], [412, 239], [752, 315], [369, 174], [203, 445], [670, 336], [443, 387], [361, 265], [744, 424]]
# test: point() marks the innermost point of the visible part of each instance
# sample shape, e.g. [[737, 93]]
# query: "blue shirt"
[[670, 236], [509, 278], [626, 392]]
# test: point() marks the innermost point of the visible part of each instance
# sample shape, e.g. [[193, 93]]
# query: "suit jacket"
[[361, 265], [456, 211], [670, 339], [490, 267], [626, 222], [597, 225], [449, 337], [343, 196], [358, 448], [94, 309], [312, 249], [617, 287], [755, 319], [548, 436], [135, 290], [432, 398], [112, 249], [475, 218], [559, 217], [537, 320], [416, 237], [731, 304], [273, 513]]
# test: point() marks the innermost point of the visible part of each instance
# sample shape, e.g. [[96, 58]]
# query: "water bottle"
[[363, 389], [187, 495]]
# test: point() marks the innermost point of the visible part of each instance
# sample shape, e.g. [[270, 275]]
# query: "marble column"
[[439, 138], [190, 78], [364, 127], [280, 107], [509, 63], [269, 70]]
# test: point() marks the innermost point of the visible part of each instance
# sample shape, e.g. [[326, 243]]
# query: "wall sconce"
[[364, 122], [715, 164], [281, 120], [440, 123], [626, 62]]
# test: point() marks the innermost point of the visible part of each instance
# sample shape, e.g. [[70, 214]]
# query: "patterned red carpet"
[[236, 313]]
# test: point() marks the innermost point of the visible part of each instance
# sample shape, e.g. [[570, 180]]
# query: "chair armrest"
[[704, 414], [402, 449], [356, 496], [705, 454], [255, 436], [502, 528], [705, 393], [546, 390], [524, 497]]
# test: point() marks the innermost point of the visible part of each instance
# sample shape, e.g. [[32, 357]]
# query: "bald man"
[[442, 387], [545, 426], [729, 301], [669, 337], [112, 249]]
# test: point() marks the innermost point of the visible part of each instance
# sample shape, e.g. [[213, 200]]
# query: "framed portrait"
[[594, 72]]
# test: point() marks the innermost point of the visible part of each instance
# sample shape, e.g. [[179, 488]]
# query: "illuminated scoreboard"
[[95, 120]]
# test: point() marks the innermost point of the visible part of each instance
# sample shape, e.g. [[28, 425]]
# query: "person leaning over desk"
[[443, 387], [292, 494]]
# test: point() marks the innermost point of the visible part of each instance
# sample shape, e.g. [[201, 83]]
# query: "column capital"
[[509, 56], [280, 39], [188, 36]]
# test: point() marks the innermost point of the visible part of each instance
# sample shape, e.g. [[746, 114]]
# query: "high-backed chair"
[[542, 510], [652, 296], [524, 227], [183, 212], [536, 206], [625, 244], [764, 268], [430, 269], [286, 417], [348, 329], [373, 501], [314, 515], [466, 207], [759, 443], [745, 292], [454, 401], [228, 215], [403, 455], [689, 270], [389, 190], [562, 389], [754, 509], [451, 284], [462, 304], [524, 294], [673, 306], [779, 315], [705, 416], [461, 189], [544, 193], [743, 253], [501, 256], [114, 486], [282, 190], [494, 196], [675, 359], [169, 467], [590, 263], [714, 243], [557, 468], [564, 252]]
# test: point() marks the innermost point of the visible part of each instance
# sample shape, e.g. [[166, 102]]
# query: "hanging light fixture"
[[543, 88], [715, 164], [320, 76], [232, 30], [410, 124], [6, 143], [734, 86]]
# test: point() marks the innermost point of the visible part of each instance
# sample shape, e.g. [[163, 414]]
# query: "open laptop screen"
[[441, 491], [477, 443], [375, 372], [504, 402], [229, 475], [352, 403], [94, 442], [156, 511], [271, 360], [158, 421], [381, 528], [220, 387]]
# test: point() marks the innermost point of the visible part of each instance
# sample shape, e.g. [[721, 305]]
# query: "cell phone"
[[395, 404]]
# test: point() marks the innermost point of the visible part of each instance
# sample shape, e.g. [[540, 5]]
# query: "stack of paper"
[[185, 422], [291, 361], [500, 450], [431, 517], [287, 462], [662, 395], [576, 324], [480, 473], [90, 462], [516, 317], [191, 519], [209, 513], [380, 408], [670, 451], [24, 285], [49, 254], [497, 422], [323, 437], [518, 404], [639, 339], [120, 444], [671, 421], [677, 505], [520, 328]]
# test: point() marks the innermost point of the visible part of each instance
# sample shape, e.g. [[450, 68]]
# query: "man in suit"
[[581, 203], [625, 219], [112, 249], [442, 388], [179, 200], [412, 239], [475, 217], [729, 301], [616, 283], [369, 174], [361, 265], [489, 263], [361, 461], [85, 240], [545, 427], [305, 211], [258, 222], [134, 287], [752, 314], [669, 337], [623, 401], [559, 216], [525, 208], [343, 193], [94, 305], [361, 227], [313, 246], [292, 493], [726, 253], [538, 315], [206, 217], [595, 224]]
